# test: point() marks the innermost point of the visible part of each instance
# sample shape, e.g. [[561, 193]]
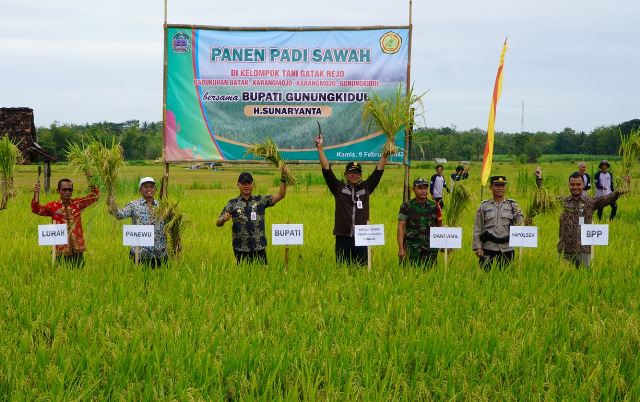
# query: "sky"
[[573, 63]]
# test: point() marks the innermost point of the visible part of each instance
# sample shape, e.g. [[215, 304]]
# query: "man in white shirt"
[[437, 184]]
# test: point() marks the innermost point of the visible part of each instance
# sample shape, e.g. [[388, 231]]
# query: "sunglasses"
[[67, 189]]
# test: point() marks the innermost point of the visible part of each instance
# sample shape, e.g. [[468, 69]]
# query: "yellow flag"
[[488, 148]]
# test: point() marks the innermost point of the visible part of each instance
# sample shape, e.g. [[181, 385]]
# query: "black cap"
[[245, 177], [353, 167], [498, 179], [420, 181], [604, 162]]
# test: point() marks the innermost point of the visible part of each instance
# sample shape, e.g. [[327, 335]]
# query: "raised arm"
[[36, 208], [282, 192], [324, 162], [382, 162], [538, 173]]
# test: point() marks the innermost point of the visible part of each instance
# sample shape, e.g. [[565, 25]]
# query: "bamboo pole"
[[289, 29], [408, 130], [163, 188], [53, 256]]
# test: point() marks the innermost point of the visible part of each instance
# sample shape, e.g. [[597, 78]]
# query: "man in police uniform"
[[491, 226], [352, 204], [415, 220]]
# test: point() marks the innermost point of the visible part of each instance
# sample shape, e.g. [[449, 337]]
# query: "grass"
[[206, 329]]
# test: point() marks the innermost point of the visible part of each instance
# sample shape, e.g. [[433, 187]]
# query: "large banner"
[[226, 89]]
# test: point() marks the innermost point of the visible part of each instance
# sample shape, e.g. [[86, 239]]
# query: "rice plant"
[[100, 163], [174, 223], [458, 204], [10, 156], [268, 150], [390, 115], [629, 151]]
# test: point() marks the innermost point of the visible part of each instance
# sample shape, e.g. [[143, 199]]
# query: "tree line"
[[449, 143], [143, 140], [140, 141]]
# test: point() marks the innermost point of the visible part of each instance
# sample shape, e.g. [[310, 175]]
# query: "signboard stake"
[[368, 256], [446, 260], [136, 255], [286, 259], [53, 256], [520, 254]]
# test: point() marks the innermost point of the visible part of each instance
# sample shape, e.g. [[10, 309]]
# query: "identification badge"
[[581, 220], [359, 204], [254, 215]]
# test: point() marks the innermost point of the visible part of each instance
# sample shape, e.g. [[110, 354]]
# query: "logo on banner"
[[181, 43], [390, 42]]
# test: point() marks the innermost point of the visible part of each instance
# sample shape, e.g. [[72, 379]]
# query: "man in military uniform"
[[491, 226], [415, 220]]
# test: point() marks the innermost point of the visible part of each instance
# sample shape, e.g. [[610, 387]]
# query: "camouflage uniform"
[[419, 219]]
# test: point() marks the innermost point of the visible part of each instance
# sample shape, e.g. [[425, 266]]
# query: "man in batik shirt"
[[143, 212], [415, 220], [577, 210], [67, 211], [247, 211]]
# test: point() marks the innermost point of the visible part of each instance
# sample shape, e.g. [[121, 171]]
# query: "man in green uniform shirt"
[[415, 220]]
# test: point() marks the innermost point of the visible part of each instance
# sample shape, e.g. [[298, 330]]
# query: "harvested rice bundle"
[[390, 115], [10, 156], [541, 202], [174, 223], [102, 164], [268, 150], [458, 203]]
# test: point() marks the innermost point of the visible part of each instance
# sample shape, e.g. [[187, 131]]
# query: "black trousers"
[[71, 261], [348, 253], [242, 256], [440, 201], [491, 257], [614, 210]]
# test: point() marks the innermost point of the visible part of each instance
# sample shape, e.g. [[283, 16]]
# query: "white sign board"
[[523, 236], [594, 235], [138, 235], [445, 237], [369, 235], [52, 235], [287, 234]]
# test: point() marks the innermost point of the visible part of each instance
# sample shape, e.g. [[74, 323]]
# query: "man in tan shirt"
[[491, 226]]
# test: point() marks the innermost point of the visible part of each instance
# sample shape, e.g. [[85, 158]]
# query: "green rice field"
[[203, 328]]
